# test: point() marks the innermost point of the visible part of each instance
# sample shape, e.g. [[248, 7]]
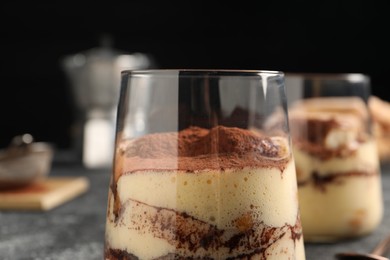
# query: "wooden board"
[[44, 195]]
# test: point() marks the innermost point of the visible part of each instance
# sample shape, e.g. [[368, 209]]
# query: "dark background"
[[296, 36]]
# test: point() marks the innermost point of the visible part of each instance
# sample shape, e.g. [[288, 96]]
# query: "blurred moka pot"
[[94, 77]]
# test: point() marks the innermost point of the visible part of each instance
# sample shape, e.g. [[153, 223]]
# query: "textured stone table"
[[75, 230]]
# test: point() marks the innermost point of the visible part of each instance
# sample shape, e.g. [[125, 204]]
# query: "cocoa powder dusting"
[[195, 149]]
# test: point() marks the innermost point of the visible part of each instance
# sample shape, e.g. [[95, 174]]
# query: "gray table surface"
[[75, 230]]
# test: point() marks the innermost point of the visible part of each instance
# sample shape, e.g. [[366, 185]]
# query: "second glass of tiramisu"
[[336, 156]]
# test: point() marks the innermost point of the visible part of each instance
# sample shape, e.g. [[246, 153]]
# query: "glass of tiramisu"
[[196, 174], [337, 163]]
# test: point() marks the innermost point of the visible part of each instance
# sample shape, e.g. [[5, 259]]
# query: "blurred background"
[[49, 50]]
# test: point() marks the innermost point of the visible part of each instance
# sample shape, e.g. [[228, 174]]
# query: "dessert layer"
[[210, 214], [218, 197], [364, 159], [196, 148], [325, 136], [348, 206], [327, 127]]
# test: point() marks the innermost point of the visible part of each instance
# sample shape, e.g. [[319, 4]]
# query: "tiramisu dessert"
[[220, 193], [338, 172]]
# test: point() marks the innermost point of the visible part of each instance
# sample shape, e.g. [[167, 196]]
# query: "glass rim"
[[200, 72], [329, 76]]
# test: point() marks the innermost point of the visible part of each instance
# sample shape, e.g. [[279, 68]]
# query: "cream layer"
[[364, 159], [350, 206]]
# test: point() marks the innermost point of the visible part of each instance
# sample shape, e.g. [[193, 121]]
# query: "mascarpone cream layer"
[[364, 159], [349, 206]]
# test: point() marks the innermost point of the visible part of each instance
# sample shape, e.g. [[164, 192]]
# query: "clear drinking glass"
[[195, 173], [338, 169]]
